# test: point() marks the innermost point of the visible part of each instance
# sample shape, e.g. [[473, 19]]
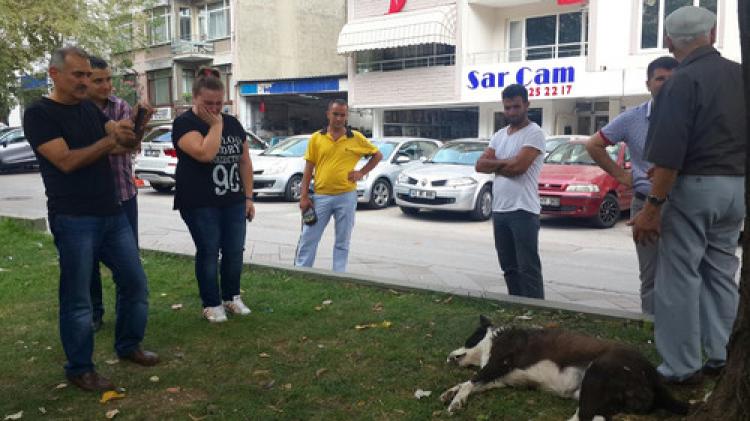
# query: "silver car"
[[399, 153], [278, 170], [448, 182], [15, 150]]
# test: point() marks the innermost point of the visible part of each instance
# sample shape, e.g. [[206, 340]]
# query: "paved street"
[[582, 265]]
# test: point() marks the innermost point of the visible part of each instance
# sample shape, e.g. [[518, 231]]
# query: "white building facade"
[[437, 68]]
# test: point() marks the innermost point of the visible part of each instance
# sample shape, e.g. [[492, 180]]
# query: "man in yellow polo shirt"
[[332, 154]]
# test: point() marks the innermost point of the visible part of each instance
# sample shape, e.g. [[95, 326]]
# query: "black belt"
[[639, 195]]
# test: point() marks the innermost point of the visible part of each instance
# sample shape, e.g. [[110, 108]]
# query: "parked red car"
[[571, 184]]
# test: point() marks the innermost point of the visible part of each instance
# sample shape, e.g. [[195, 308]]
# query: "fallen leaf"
[[111, 395], [176, 306], [163, 294], [552, 325], [17, 416], [318, 308], [154, 379], [269, 384], [32, 359], [287, 386], [327, 302], [42, 410], [196, 418], [275, 409], [437, 413], [524, 317], [319, 372], [448, 300], [394, 292], [361, 403], [112, 361], [321, 346], [261, 372], [264, 355], [399, 411], [111, 414], [61, 386], [419, 394], [179, 355], [173, 390], [378, 307]]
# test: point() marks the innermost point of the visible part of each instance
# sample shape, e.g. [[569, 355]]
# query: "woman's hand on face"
[[207, 116]]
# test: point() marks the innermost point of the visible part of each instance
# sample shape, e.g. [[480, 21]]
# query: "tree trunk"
[[730, 399]]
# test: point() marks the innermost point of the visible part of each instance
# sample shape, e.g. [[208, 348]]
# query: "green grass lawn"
[[293, 358]]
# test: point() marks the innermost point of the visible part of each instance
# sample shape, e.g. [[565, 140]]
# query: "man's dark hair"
[[338, 101], [98, 63], [208, 78], [57, 60], [665, 62], [514, 90]]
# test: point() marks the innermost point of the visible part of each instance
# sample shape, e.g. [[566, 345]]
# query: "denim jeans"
[[342, 207], [217, 230], [80, 240], [517, 245], [130, 207]]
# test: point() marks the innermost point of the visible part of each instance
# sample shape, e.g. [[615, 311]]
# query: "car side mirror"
[[402, 159]]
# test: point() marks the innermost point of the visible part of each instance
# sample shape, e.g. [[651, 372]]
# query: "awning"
[[435, 25]]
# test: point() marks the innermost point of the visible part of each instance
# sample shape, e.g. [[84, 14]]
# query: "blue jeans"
[[130, 207], [214, 230], [80, 240], [517, 245], [342, 207]]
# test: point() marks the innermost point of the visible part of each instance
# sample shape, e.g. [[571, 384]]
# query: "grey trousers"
[[696, 296], [647, 257]]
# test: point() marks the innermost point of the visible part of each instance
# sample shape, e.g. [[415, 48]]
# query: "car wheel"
[[409, 211], [292, 192], [608, 213], [380, 194], [162, 188], [483, 208]]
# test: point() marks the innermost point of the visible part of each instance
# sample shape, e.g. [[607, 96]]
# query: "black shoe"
[[695, 379], [712, 371], [97, 325], [91, 382]]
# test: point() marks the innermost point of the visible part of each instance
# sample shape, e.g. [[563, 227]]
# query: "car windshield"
[[153, 134], [459, 153], [553, 142], [385, 148], [164, 137], [575, 154], [291, 147]]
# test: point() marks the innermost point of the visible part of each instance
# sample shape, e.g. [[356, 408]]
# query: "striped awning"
[[426, 26]]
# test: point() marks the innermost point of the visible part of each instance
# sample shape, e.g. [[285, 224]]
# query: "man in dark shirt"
[[697, 142], [72, 138]]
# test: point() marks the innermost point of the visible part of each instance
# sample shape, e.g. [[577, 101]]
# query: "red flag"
[[569, 2], [396, 6]]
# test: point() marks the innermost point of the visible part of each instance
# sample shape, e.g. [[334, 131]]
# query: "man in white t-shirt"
[[515, 156]]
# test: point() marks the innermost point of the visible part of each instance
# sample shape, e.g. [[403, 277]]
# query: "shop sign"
[[543, 79]]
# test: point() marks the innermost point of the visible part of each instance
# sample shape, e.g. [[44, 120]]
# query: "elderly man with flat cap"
[[697, 142]]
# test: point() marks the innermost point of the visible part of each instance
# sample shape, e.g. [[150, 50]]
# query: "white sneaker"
[[215, 314], [236, 306]]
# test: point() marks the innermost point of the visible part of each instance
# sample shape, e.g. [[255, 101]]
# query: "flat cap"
[[688, 21]]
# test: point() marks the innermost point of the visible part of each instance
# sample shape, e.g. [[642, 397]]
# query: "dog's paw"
[[449, 394], [456, 405]]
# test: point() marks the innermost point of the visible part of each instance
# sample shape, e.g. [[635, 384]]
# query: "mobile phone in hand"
[[139, 117]]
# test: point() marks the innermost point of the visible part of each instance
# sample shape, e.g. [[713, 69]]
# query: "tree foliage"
[[31, 30]]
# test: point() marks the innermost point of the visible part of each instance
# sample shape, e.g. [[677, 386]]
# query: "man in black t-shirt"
[[71, 138]]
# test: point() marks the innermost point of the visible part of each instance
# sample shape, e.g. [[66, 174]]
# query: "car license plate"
[[422, 194], [151, 152], [549, 201]]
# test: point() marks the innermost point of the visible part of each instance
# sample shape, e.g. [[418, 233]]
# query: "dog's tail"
[[666, 401]]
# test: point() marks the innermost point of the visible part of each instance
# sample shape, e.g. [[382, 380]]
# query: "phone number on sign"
[[559, 90]]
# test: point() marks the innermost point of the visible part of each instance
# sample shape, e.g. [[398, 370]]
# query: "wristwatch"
[[656, 201]]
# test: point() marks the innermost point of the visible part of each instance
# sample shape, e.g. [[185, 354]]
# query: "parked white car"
[[157, 160], [278, 170], [448, 182], [399, 153]]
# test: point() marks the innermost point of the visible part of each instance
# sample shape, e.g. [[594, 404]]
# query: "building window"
[[160, 87], [547, 37], [185, 24], [214, 20], [160, 26], [188, 77], [653, 13], [388, 59], [226, 78]]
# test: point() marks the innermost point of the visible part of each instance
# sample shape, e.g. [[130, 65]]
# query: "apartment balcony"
[[192, 51], [541, 52]]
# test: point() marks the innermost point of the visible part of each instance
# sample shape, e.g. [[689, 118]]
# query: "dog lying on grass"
[[606, 378]]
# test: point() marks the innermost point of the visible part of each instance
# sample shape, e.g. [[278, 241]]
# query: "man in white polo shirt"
[[515, 156]]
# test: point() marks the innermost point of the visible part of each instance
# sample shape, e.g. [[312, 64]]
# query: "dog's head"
[[476, 350]]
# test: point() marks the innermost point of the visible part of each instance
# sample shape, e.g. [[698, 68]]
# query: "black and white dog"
[[607, 378]]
